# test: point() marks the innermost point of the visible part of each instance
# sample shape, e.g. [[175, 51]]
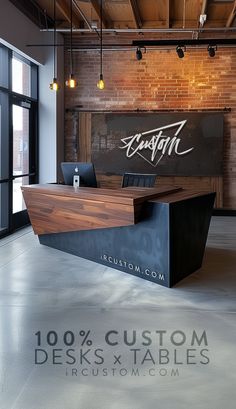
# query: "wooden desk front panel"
[[54, 214], [58, 208]]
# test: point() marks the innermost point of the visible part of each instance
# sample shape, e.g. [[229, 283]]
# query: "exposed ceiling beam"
[[135, 13], [106, 22], [65, 10], [184, 13], [232, 15], [167, 13], [204, 6], [78, 9]]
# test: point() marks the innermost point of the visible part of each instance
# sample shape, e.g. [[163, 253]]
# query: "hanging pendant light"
[[71, 82], [54, 85], [101, 83]]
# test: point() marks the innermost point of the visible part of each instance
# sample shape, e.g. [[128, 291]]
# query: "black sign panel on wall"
[[184, 144]]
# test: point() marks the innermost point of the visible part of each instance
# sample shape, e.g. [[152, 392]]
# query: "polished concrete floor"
[[57, 311]]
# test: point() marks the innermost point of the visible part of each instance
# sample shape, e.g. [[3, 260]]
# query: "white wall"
[[51, 117], [16, 32]]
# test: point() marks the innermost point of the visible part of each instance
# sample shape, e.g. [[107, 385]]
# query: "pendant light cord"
[[101, 37], [54, 38], [71, 58]]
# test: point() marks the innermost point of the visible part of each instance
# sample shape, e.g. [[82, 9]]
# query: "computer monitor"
[[83, 169]]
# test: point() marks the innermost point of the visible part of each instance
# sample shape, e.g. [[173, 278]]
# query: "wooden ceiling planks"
[[153, 13], [185, 13], [140, 14], [218, 13], [120, 12], [106, 21]]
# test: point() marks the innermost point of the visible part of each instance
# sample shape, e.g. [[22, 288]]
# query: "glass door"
[[18, 136], [23, 157], [4, 164], [20, 122], [17, 159]]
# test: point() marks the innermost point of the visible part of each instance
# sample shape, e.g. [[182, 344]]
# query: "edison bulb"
[[101, 84], [71, 82], [54, 85]]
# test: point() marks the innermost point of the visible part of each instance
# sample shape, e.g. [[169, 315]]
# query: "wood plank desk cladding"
[[157, 234], [58, 208]]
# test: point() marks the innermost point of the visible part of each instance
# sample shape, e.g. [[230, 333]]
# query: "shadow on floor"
[[218, 271]]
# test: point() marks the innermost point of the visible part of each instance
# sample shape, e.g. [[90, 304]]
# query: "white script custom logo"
[[156, 142]]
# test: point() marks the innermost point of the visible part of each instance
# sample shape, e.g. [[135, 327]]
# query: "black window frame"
[[20, 219]]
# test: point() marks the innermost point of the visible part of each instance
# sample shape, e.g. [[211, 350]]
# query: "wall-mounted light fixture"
[[212, 50], [101, 83], [180, 51], [71, 82], [54, 85]]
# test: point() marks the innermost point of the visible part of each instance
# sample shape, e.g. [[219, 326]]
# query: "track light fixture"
[[139, 54], [212, 50], [71, 82], [180, 51], [54, 85]]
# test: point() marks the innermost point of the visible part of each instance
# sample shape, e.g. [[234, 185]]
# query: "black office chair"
[[138, 179]]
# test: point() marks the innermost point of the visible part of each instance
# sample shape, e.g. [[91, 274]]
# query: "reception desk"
[[158, 234]]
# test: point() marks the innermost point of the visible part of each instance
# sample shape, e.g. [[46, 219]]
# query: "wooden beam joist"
[[106, 21], [167, 13], [64, 8], [135, 13], [81, 13], [231, 16], [204, 7]]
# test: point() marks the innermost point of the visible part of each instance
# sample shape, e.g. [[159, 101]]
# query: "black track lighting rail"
[[182, 42], [127, 47], [147, 44]]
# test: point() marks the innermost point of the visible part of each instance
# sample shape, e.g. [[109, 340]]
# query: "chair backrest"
[[138, 179]]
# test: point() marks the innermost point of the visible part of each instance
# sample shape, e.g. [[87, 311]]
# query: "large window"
[[18, 136], [21, 74]]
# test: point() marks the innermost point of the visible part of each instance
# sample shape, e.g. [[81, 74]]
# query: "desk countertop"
[[58, 208], [130, 195]]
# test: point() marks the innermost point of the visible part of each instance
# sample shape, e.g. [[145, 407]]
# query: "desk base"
[[164, 247]]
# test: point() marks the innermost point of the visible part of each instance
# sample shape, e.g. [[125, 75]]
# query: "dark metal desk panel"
[[164, 247]]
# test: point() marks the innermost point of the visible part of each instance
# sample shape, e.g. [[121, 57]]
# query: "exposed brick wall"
[[160, 81]]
